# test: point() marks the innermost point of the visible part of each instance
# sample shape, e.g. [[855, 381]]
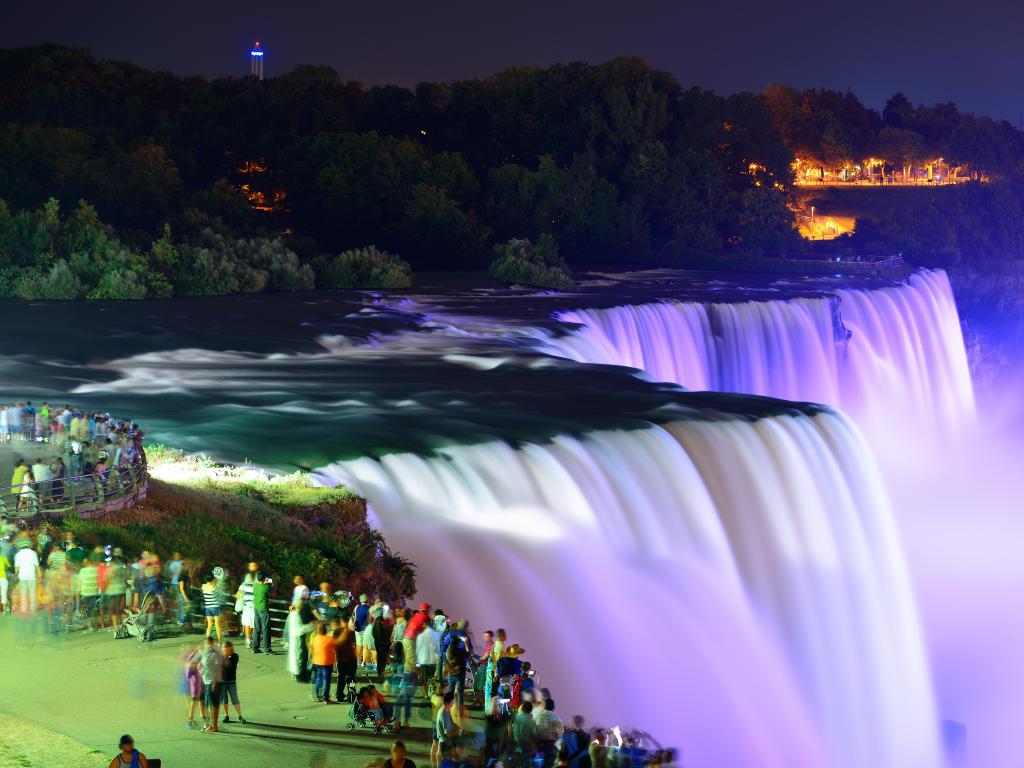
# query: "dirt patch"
[[26, 745]]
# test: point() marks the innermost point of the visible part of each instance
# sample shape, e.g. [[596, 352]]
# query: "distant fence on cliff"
[[87, 496]]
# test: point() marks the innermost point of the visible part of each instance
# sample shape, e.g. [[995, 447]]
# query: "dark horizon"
[[969, 61]]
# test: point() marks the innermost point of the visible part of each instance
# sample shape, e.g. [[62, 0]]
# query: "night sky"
[[970, 53]]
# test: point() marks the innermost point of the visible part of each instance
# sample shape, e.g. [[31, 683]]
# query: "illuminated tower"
[[256, 61]]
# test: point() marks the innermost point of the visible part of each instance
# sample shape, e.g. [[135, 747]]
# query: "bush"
[[59, 283], [520, 262], [120, 283], [367, 268]]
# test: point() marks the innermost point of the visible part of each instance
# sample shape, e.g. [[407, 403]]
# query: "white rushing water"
[[733, 586], [893, 358]]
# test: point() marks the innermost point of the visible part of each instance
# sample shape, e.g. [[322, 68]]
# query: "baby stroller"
[[360, 716], [138, 623], [87, 610]]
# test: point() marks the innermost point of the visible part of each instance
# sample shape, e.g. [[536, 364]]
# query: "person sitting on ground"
[[398, 758], [129, 756]]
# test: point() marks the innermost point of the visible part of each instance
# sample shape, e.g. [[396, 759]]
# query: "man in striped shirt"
[[89, 590]]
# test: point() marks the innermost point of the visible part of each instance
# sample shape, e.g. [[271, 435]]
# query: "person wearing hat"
[[129, 756]]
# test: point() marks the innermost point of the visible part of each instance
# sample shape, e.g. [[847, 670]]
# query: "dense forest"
[[118, 181]]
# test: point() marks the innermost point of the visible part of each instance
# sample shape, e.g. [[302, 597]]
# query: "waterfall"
[[732, 585], [891, 357]]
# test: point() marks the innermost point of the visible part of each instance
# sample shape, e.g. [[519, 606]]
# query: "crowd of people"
[[69, 452], [379, 660]]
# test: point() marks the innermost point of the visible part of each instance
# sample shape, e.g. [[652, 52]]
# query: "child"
[[193, 686], [402, 685]]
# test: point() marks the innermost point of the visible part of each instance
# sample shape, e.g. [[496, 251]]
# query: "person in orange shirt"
[[323, 651]]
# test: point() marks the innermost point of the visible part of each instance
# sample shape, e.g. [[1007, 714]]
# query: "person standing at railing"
[[26, 567], [14, 415], [28, 500], [60, 472], [43, 475], [18, 476], [4, 583], [115, 584]]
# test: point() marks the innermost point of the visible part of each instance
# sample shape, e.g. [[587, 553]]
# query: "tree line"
[[184, 185]]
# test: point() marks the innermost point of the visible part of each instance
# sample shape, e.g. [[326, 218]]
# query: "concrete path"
[[92, 688]]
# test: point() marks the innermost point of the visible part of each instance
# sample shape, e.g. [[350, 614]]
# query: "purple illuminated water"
[[892, 358], [728, 575]]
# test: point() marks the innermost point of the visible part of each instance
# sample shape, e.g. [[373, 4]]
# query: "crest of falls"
[[733, 585], [892, 357]]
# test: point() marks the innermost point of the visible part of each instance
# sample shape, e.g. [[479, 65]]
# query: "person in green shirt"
[[19, 475], [4, 565], [524, 735], [261, 611]]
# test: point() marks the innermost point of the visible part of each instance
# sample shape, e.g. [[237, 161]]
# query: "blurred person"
[[523, 731], [172, 575], [211, 669], [28, 499], [192, 685], [598, 749], [380, 638], [398, 758], [89, 591], [549, 729], [426, 656], [114, 585], [300, 623], [345, 653], [129, 756], [26, 568], [322, 651], [413, 628], [244, 598], [4, 582], [360, 617], [230, 684], [491, 676], [446, 730]]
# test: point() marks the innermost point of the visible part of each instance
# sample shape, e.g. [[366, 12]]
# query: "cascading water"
[[730, 579], [892, 357], [734, 585]]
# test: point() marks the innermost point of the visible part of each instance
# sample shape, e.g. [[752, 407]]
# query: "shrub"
[[520, 262], [59, 282], [367, 268], [120, 283]]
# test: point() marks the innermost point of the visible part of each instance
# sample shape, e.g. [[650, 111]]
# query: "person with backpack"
[[456, 657]]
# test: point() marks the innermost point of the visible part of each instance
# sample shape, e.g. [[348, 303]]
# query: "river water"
[[720, 568]]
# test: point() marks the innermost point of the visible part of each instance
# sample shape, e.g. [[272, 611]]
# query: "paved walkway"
[[93, 688]]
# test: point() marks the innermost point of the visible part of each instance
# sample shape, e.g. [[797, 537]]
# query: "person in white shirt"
[[42, 474], [26, 566], [427, 654]]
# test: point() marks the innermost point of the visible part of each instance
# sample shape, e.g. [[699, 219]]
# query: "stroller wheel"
[[350, 726], [389, 728]]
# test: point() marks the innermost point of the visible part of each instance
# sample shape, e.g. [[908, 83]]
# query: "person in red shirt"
[[413, 627]]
